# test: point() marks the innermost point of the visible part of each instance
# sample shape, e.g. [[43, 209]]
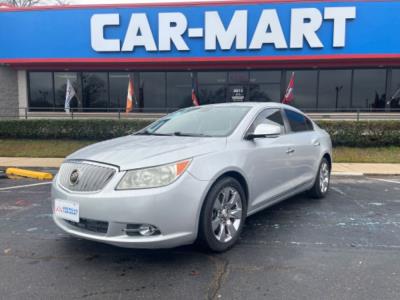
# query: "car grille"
[[90, 177], [90, 225]]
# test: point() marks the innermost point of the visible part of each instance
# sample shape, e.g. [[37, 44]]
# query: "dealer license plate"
[[67, 210]]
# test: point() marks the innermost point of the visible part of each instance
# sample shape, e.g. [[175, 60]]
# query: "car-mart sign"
[[173, 28], [264, 29]]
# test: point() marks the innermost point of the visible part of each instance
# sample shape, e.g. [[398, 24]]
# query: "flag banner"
[[69, 95], [195, 100], [130, 96], [289, 95]]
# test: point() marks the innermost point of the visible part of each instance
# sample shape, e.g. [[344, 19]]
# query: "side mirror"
[[264, 131]]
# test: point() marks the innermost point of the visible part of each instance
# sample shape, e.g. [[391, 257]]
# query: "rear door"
[[305, 150]]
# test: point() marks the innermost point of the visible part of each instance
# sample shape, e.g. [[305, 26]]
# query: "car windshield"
[[203, 121]]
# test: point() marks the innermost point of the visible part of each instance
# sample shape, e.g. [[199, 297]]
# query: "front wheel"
[[223, 215], [322, 180]]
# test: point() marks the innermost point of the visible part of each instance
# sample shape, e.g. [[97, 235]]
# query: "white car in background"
[[193, 175]]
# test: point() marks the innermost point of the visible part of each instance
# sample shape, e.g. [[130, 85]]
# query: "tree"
[[26, 3]]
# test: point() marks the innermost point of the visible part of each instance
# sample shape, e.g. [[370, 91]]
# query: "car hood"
[[138, 151]]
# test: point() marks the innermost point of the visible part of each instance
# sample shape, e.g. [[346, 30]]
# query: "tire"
[[322, 180], [222, 216]]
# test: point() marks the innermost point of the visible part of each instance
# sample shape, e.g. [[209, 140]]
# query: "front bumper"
[[174, 210]]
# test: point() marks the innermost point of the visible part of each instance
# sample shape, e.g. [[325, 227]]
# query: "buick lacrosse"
[[194, 175]]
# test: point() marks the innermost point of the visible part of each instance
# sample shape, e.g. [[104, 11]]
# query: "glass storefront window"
[[153, 91], [334, 89], [95, 91], [265, 92], [179, 90], [209, 94], [211, 77], [394, 96], [119, 90], [238, 77], [41, 91], [60, 87], [369, 87], [305, 88], [265, 77]]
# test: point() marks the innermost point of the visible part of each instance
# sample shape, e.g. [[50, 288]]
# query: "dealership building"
[[345, 55]]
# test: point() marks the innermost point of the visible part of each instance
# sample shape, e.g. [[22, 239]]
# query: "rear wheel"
[[322, 181], [222, 216]]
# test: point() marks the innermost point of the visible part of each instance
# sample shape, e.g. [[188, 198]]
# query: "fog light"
[[148, 230]]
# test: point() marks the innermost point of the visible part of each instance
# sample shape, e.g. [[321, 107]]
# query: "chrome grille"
[[91, 177]]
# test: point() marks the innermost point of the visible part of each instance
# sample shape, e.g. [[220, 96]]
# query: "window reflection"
[[41, 90], [95, 91], [369, 88], [119, 90], [394, 96], [179, 89], [305, 88], [153, 91], [334, 89], [60, 87]]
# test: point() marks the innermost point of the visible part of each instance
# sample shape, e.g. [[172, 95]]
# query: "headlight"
[[153, 177]]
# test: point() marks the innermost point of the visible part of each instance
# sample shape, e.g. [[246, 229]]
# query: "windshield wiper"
[[153, 133], [178, 133]]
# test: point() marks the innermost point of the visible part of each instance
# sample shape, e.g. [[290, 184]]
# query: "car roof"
[[255, 105]]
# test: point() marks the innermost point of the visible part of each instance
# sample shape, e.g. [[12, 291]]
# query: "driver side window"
[[269, 116]]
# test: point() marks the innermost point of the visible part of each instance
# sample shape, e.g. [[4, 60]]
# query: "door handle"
[[290, 151], [316, 144]]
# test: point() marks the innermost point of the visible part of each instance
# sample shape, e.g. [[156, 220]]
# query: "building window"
[[265, 86], [394, 96], [369, 86], [60, 88], [179, 90], [41, 96], [305, 89], [212, 87], [153, 91], [334, 89], [95, 91], [119, 90]]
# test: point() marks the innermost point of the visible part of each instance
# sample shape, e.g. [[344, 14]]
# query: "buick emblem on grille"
[[74, 177]]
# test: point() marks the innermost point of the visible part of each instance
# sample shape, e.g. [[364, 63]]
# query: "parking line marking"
[[23, 186], [387, 180]]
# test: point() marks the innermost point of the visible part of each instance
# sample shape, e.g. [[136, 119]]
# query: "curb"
[[29, 174], [363, 174]]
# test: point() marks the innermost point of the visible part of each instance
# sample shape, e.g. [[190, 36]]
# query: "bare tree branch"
[[26, 3]]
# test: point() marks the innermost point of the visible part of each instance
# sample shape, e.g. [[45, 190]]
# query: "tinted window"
[[179, 89], [297, 121], [41, 90], [119, 89], [265, 77], [95, 90], [334, 89], [369, 88], [394, 96], [199, 121], [269, 116], [60, 87], [153, 91], [305, 89]]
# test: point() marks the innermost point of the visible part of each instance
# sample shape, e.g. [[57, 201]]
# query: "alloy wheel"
[[226, 214], [324, 177]]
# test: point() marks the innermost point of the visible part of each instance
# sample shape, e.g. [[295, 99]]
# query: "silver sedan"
[[193, 175]]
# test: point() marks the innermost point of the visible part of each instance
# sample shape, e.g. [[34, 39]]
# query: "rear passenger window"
[[298, 122]]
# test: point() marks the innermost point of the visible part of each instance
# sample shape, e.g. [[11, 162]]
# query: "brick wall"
[[8, 92]]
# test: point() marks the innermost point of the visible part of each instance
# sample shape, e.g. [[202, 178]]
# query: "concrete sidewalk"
[[338, 168]]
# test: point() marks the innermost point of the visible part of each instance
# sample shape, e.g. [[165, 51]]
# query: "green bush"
[[69, 129], [343, 133], [363, 133]]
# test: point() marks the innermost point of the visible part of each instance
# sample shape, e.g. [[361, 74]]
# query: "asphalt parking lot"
[[346, 246]]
